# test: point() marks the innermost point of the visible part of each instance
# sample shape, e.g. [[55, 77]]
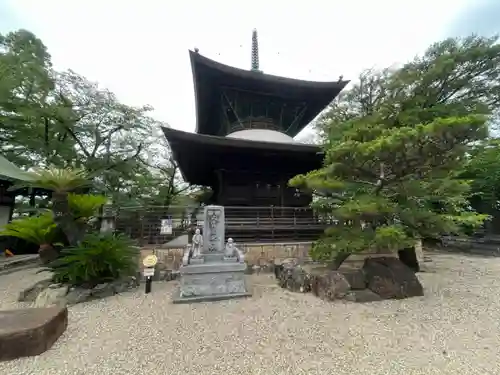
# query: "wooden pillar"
[[32, 200], [220, 187], [7, 202]]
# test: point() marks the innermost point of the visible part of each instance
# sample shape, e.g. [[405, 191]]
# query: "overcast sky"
[[139, 49]]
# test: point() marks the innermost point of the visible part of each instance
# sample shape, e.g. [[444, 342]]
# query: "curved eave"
[[173, 134], [197, 159], [10, 172], [316, 94]]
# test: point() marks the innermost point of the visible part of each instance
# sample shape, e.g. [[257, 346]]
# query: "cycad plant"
[[99, 258], [85, 206], [40, 230], [61, 181]]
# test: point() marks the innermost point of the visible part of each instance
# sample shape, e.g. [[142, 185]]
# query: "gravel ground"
[[454, 329]]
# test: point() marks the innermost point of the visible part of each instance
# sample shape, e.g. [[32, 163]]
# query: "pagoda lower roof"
[[211, 77], [199, 156]]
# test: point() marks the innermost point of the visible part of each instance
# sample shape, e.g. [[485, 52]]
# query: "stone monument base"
[[211, 282]]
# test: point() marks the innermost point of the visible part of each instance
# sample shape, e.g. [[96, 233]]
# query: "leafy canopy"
[[394, 144], [483, 170], [62, 119]]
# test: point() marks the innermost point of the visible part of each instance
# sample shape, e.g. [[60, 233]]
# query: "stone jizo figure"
[[230, 250], [197, 243]]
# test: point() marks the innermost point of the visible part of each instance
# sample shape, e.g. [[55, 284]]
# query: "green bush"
[[99, 258]]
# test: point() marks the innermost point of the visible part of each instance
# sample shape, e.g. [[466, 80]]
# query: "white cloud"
[[138, 49]]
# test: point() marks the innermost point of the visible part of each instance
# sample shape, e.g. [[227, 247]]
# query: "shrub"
[[99, 258]]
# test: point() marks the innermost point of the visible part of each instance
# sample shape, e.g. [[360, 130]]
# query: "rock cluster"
[[47, 293], [378, 279]]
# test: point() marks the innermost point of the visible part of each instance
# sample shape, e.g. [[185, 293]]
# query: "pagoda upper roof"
[[210, 77], [199, 156]]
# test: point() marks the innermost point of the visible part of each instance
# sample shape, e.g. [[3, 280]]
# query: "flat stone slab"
[[177, 299], [30, 332]]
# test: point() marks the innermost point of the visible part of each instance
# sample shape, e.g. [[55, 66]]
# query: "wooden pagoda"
[[243, 148]]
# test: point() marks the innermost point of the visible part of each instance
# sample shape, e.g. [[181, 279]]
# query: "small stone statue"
[[197, 243], [230, 249]]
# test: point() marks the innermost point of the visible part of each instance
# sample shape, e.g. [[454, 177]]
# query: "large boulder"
[[295, 278], [282, 266], [300, 280], [391, 279], [356, 278], [409, 258], [30, 332], [330, 286], [292, 276]]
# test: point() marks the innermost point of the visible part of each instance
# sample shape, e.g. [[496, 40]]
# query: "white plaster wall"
[[262, 135]]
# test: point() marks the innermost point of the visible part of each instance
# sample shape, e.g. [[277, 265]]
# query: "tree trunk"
[[338, 260], [73, 230]]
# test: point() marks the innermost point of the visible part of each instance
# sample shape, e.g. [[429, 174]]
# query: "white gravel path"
[[454, 329]]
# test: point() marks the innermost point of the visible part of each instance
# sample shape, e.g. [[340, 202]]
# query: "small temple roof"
[[10, 172], [200, 155], [210, 77]]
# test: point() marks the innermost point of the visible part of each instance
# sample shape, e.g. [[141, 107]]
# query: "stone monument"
[[211, 269]]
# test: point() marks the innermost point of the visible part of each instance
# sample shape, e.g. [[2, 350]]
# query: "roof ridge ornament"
[[255, 52]]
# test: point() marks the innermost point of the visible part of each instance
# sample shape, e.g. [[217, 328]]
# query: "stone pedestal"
[[211, 282], [212, 276]]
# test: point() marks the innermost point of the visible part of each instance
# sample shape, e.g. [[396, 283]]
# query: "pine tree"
[[394, 151]]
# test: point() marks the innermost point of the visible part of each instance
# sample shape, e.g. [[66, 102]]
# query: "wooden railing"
[[272, 217], [245, 224]]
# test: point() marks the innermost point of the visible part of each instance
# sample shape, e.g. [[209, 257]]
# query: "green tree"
[[394, 149], [25, 86], [61, 119], [483, 170]]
